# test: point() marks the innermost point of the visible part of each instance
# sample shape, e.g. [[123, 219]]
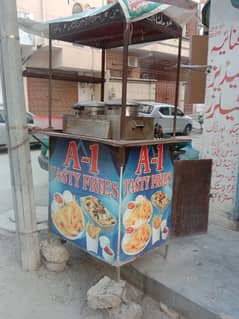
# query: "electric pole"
[[18, 139]]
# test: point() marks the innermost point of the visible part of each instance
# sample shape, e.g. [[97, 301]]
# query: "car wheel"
[[187, 129]]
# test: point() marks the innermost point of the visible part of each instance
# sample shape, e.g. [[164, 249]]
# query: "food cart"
[[111, 190]]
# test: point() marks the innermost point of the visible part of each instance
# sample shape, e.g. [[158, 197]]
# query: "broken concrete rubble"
[[55, 255], [132, 294], [129, 311], [116, 299], [106, 294]]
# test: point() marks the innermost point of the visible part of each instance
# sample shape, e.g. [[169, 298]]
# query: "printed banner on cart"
[[85, 192], [147, 198], [84, 195]]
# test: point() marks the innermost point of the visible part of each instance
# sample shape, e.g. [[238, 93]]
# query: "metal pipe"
[[119, 222], [102, 91], [177, 85], [50, 84], [124, 80]]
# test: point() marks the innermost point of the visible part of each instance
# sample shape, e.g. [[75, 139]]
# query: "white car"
[[163, 115], [3, 131]]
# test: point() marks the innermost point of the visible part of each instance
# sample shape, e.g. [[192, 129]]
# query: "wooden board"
[[191, 190], [198, 79]]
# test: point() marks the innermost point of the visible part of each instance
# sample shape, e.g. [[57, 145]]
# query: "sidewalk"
[[199, 278]]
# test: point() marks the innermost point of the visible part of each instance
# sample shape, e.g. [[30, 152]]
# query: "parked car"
[[3, 131], [163, 115], [43, 158]]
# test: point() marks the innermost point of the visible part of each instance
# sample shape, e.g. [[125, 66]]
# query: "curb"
[[168, 296]]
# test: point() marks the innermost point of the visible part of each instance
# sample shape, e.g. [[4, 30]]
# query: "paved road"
[[40, 180]]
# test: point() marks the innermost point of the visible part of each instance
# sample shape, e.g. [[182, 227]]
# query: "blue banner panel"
[[113, 213], [147, 198], [84, 195]]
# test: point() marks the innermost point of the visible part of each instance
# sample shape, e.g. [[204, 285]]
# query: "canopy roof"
[[104, 27]]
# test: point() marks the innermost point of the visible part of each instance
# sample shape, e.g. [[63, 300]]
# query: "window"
[[77, 8], [1, 118], [164, 110], [145, 109], [30, 119], [179, 112]]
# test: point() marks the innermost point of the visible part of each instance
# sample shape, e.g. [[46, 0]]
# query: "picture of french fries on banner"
[[68, 218], [141, 224], [67, 215]]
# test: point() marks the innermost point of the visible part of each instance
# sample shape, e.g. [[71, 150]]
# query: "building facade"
[[152, 67]]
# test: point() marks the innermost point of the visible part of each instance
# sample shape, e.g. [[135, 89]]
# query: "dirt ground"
[[44, 294]]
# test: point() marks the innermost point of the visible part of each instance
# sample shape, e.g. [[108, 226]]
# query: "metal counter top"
[[115, 143]]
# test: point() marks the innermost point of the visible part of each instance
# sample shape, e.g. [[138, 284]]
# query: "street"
[[39, 178]]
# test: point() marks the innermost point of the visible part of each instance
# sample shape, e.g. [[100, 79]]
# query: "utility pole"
[[18, 139]]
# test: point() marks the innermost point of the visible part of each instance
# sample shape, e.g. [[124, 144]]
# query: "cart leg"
[[48, 230], [118, 273], [165, 251]]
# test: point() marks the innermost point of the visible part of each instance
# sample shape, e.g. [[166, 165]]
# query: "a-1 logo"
[[145, 161], [72, 156]]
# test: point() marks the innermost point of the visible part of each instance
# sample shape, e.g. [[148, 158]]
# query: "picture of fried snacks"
[[97, 211], [69, 219], [142, 212], [92, 231], [92, 236], [157, 221], [138, 240], [160, 200]]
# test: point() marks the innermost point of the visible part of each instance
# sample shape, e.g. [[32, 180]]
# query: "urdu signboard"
[[221, 119]]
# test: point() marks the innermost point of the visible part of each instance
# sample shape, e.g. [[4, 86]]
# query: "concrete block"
[[106, 294], [129, 311], [132, 294], [55, 267], [55, 255]]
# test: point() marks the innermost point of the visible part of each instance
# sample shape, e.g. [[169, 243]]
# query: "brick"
[[64, 95]]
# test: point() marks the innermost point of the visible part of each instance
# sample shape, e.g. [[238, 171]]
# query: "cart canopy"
[[104, 27]]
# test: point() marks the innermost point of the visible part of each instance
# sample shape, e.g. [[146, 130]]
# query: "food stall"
[[110, 181]]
